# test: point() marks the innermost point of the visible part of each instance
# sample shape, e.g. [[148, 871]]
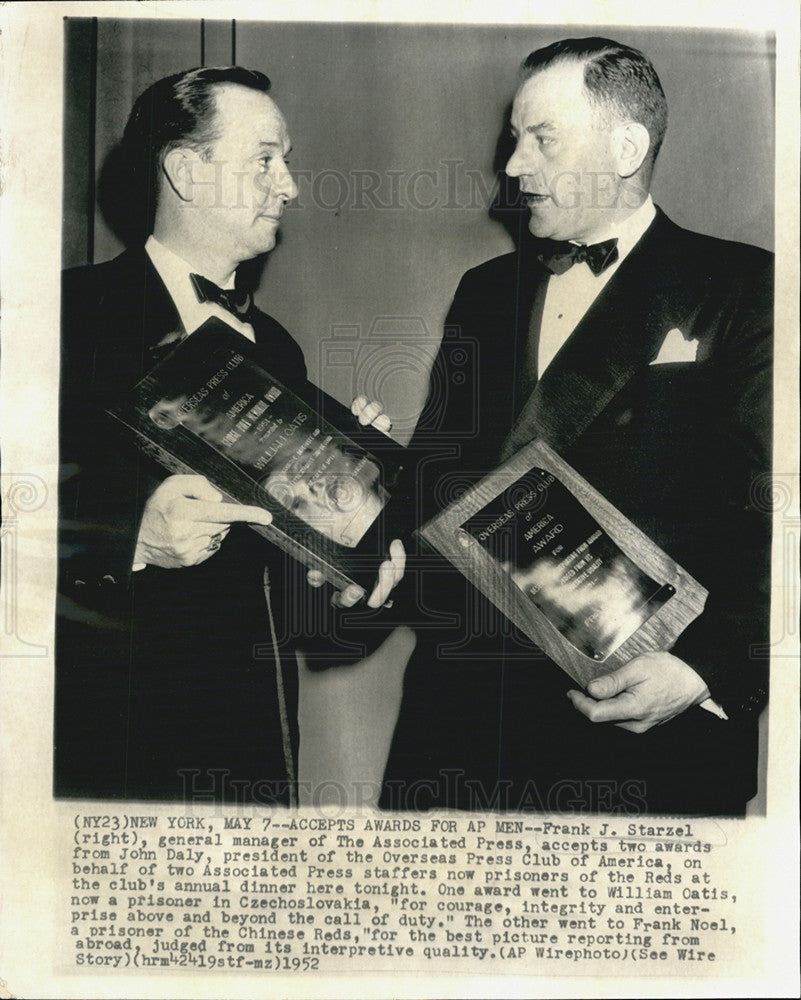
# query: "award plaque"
[[565, 566], [209, 408]]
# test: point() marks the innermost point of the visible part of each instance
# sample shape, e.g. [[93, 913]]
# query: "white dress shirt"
[[570, 295], [174, 271]]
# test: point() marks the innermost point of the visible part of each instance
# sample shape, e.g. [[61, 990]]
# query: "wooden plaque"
[[565, 566]]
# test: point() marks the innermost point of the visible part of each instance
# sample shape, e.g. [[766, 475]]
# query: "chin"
[[268, 236], [264, 238], [540, 230], [257, 249]]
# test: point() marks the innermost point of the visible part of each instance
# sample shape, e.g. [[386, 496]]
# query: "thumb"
[[612, 684]]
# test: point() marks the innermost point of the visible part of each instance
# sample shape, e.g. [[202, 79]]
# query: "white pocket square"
[[675, 347]]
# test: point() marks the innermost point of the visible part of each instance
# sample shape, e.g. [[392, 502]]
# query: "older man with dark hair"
[[642, 353], [620, 83], [163, 685]]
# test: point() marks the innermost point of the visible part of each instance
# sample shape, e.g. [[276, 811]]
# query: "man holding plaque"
[[165, 679], [641, 353]]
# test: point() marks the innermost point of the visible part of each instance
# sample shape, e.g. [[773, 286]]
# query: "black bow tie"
[[559, 257], [233, 299]]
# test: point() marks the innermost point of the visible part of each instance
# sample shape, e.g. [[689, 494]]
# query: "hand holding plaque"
[[563, 564], [651, 689], [185, 521], [210, 409]]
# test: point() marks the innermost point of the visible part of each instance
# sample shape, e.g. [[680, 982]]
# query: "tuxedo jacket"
[[681, 447], [166, 683]]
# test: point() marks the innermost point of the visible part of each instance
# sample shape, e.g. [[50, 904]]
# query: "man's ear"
[[178, 168], [631, 145]]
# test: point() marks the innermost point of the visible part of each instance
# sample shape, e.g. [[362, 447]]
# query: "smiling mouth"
[[533, 198]]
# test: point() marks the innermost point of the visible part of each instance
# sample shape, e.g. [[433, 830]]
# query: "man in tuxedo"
[[166, 680], [640, 352]]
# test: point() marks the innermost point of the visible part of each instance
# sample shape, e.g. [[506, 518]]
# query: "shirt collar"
[[631, 229], [174, 271]]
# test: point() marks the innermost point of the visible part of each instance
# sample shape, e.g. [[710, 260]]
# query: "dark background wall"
[[395, 131]]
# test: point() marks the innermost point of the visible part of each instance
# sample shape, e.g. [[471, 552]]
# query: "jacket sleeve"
[[103, 481], [728, 645]]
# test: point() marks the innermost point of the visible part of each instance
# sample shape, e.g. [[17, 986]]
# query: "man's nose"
[[521, 162], [284, 185]]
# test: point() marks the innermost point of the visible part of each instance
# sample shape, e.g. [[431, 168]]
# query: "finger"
[[390, 573], [398, 556], [315, 578], [202, 549], [370, 412], [216, 538], [611, 685], [619, 709], [203, 555], [348, 597], [228, 513], [386, 581], [382, 423], [358, 405]]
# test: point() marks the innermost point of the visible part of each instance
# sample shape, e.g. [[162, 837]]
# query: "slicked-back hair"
[[620, 82], [179, 110]]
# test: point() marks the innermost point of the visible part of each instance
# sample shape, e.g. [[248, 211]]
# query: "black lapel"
[[112, 314], [512, 297], [135, 299], [653, 290]]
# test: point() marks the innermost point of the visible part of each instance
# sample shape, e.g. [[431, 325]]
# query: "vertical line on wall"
[[91, 193], [203, 41], [233, 43]]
